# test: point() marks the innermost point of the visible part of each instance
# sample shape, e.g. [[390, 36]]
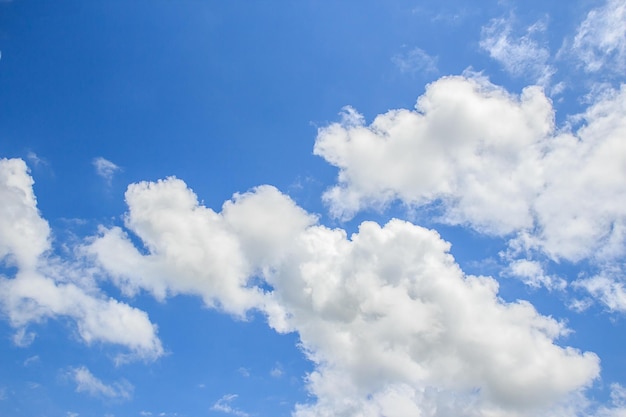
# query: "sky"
[[312, 208]]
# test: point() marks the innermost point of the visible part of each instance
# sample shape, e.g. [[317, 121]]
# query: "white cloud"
[[194, 250], [533, 274], [415, 61], [223, 405], [40, 288], [470, 144], [617, 407], [493, 161], [23, 338], [386, 316], [34, 159], [105, 168], [520, 56], [600, 42], [277, 371], [608, 289], [355, 310], [23, 233], [32, 360], [87, 382]]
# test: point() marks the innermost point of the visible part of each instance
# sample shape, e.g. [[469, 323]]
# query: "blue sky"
[[312, 208]]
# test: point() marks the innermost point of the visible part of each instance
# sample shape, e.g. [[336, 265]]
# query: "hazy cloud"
[[520, 56], [415, 61], [600, 42], [105, 168], [224, 405], [88, 383]]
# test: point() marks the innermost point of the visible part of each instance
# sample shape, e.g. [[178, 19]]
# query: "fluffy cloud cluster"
[[392, 324], [493, 161], [42, 288], [193, 250]]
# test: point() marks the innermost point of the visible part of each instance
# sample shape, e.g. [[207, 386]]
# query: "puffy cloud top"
[[493, 161], [386, 315]]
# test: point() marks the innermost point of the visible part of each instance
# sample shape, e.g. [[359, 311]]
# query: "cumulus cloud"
[[40, 288], [24, 235], [600, 42], [105, 168], [386, 315], [493, 161], [90, 384], [520, 56], [194, 250]]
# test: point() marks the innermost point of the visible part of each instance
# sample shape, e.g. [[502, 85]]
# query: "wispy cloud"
[[34, 159], [277, 371], [415, 61], [23, 338], [533, 274], [520, 56], [600, 42], [87, 382], [105, 168], [224, 405], [31, 360]]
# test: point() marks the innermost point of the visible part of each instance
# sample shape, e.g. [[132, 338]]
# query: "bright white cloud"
[[387, 316], [493, 161], [105, 168], [470, 144], [600, 42], [39, 289], [356, 311], [88, 383], [521, 56], [23, 233], [194, 250]]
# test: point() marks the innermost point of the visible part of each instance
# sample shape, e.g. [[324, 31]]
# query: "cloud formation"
[[105, 168], [386, 315], [600, 42], [43, 287], [520, 56], [87, 382], [414, 61], [223, 405], [493, 161]]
